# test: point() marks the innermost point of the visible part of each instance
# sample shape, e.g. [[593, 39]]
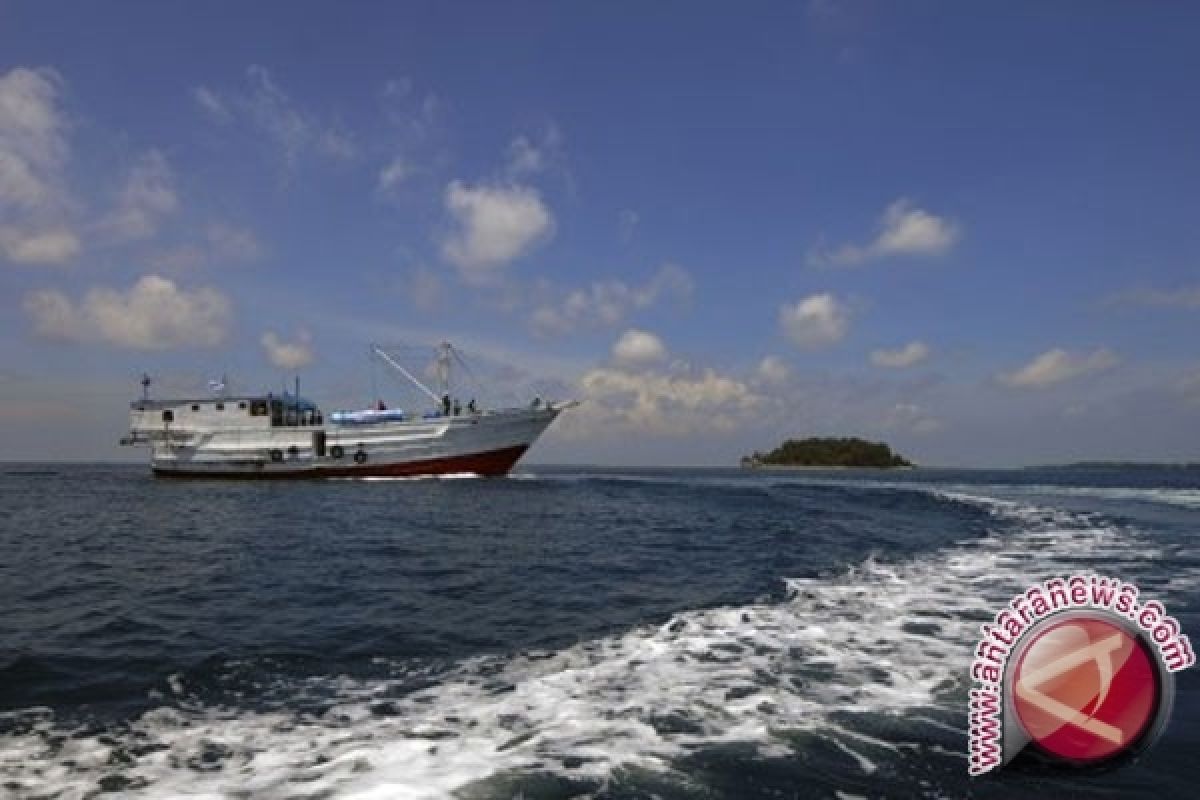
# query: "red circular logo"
[[1085, 689]]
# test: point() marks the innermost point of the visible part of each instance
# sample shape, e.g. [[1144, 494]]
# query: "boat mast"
[[377, 350], [443, 368]]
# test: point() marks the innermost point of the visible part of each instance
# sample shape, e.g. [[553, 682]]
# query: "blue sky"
[[970, 232]]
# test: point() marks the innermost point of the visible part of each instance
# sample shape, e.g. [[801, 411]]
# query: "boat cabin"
[[223, 413]]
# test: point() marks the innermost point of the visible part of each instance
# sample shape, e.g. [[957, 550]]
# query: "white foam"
[[1182, 498], [445, 476], [881, 638]]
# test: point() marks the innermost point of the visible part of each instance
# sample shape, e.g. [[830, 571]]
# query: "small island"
[[828, 452]]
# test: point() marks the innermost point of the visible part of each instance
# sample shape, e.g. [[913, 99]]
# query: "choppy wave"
[[1177, 497], [1183, 498], [880, 639]]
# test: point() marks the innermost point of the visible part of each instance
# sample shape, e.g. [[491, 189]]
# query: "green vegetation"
[[828, 452]]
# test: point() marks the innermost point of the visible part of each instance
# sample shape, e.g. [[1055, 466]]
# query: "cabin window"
[[242, 405], [258, 408], [195, 406], [168, 416], [220, 406]]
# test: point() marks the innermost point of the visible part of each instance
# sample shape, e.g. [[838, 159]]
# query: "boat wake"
[[870, 661], [446, 476]]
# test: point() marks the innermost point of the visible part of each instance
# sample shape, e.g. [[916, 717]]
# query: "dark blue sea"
[[563, 633]]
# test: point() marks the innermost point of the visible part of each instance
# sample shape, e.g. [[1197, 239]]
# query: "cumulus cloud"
[[494, 224], [23, 245], [815, 321], [1058, 365], [153, 314], [265, 106], [147, 197], [288, 355], [33, 153], [773, 370], [903, 231], [670, 403], [906, 356], [609, 303], [638, 348]]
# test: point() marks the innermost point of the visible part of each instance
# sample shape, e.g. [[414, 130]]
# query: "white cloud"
[[637, 348], [336, 143], [265, 106], [56, 245], [272, 112], [33, 145], [671, 403], [495, 225], [524, 157], [33, 153], [212, 104], [609, 303], [414, 118], [288, 355], [232, 243], [394, 173], [1058, 365], [223, 244], [147, 197], [423, 287], [903, 231], [906, 356], [528, 155], [413, 127], [154, 314], [910, 418], [627, 222], [815, 321], [1182, 297], [773, 370]]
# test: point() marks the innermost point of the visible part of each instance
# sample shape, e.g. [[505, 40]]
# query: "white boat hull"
[[485, 444]]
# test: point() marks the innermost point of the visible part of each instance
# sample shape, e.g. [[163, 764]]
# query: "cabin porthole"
[[336, 451], [276, 455], [293, 451], [360, 457]]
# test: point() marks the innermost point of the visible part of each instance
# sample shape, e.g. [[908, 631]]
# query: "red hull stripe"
[[492, 463]]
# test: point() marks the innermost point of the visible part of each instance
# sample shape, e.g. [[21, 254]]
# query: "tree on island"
[[828, 452]]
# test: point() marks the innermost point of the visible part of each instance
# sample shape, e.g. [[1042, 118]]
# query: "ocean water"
[[561, 633]]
